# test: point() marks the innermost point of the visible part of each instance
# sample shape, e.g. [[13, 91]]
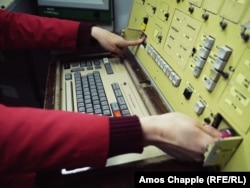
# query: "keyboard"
[[100, 86]]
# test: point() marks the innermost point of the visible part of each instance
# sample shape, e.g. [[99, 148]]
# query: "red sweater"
[[38, 139]]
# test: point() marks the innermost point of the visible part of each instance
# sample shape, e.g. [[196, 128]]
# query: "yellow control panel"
[[197, 53], [5, 3]]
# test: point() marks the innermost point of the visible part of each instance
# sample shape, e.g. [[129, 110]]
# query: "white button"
[[210, 84], [158, 60], [214, 75], [199, 107], [168, 71], [171, 76], [197, 71], [148, 48], [204, 53], [105, 60], [224, 53], [209, 42], [219, 64], [162, 64], [176, 80], [165, 67], [200, 62]]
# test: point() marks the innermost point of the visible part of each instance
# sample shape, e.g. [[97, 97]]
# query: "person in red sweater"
[[38, 139]]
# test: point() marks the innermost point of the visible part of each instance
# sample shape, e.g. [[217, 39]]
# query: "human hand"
[[178, 135], [113, 42]]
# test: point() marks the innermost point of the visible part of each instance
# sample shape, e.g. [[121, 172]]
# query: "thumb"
[[133, 42]]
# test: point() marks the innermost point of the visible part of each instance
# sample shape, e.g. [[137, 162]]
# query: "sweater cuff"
[[125, 135], [84, 37]]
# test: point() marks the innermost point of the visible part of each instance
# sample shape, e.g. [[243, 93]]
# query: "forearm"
[[23, 31], [37, 139]]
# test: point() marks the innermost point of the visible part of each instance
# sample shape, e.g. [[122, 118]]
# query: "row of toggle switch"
[[203, 55], [165, 67], [219, 63]]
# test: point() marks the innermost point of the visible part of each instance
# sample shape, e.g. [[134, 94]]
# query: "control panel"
[[197, 54], [4, 4]]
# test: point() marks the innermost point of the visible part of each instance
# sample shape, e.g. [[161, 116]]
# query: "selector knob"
[[223, 25], [244, 36], [207, 120], [159, 38], [154, 9], [205, 16], [191, 9], [166, 16]]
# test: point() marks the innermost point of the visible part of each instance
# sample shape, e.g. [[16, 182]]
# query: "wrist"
[[95, 31], [149, 129]]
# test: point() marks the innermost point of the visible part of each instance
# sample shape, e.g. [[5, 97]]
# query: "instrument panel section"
[[197, 54], [235, 101], [212, 6], [182, 34], [232, 10]]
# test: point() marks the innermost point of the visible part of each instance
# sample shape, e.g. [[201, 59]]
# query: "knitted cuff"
[[125, 135], [84, 37]]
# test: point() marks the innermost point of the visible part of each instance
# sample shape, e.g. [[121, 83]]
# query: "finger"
[[211, 131], [135, 42], [132, 42]]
